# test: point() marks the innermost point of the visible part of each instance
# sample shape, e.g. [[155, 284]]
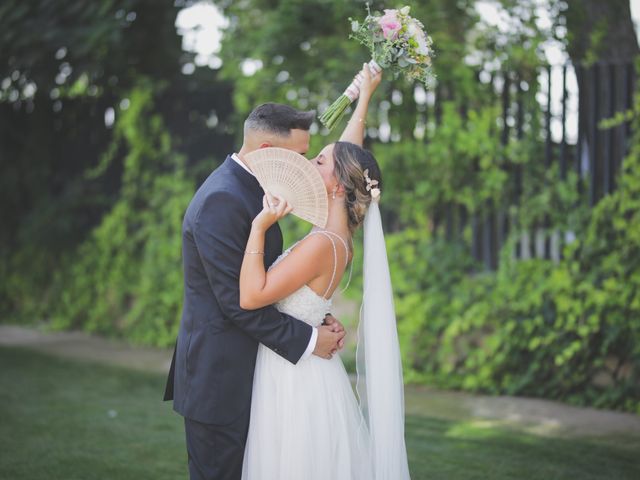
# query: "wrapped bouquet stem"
[[335, 112], [398, 43]]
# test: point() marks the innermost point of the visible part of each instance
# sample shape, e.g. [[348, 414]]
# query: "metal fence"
[[574, 102]]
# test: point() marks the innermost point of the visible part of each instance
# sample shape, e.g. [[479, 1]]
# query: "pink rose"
[[390, 24]]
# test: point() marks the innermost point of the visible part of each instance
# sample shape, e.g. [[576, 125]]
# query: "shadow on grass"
[[442, 449], [63, 419]]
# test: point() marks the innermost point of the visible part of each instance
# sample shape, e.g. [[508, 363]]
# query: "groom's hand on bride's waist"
[[328, 340]]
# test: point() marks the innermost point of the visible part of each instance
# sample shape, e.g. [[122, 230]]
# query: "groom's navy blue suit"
[[211, 373]]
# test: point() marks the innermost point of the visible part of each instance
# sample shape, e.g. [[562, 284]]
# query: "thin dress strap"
[[346, 259], [335, 255]]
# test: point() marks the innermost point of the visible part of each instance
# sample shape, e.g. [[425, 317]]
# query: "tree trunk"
[[600, 30]]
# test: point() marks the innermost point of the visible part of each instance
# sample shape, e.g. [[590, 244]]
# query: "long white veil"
[[379, 385]]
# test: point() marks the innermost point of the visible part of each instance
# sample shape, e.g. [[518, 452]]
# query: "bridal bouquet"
[[398, 43]]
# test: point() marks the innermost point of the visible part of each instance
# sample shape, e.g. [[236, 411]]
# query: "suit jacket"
[[211, 375]]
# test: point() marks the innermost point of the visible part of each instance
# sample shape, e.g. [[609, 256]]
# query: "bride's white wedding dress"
[[305, 420]]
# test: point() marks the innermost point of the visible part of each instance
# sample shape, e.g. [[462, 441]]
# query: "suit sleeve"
[[221, 229]]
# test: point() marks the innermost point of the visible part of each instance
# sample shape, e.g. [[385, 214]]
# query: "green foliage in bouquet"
[[398, 43]]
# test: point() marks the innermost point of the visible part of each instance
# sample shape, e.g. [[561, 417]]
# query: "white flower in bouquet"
[[416, 33]]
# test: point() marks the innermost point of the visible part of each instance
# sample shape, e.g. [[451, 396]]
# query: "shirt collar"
[[235, 157]]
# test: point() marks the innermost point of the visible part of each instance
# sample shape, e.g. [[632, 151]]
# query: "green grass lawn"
[[63, 419]]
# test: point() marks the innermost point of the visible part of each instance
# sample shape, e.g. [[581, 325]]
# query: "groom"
[[211, 374]]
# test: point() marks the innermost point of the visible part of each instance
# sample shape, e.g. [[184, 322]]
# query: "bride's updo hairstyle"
[[350, 163]]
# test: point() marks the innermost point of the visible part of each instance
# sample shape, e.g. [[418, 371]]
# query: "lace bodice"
[[303, 304]]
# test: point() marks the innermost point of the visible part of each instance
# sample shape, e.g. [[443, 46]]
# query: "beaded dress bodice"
[[303, 304]]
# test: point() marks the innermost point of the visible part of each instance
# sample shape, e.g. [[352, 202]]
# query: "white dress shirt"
[[314, 333]]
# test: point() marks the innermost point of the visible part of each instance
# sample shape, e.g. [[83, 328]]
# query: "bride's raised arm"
[[259, 288], [354, 131]]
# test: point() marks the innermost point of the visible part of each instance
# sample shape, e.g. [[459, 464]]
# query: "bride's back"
[[334, 267], [312, 301]]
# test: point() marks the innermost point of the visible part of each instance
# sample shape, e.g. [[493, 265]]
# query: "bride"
[[305, 420]]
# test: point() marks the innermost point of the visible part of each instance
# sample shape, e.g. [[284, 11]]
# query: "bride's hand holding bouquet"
[[369, 81]]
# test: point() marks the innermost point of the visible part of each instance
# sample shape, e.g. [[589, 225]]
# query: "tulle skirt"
[[305, 422]]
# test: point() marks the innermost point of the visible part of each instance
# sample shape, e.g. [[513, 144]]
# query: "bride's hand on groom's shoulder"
[[274, 207]]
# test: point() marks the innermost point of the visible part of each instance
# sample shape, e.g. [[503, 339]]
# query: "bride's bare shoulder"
[[313, 245], [321, 248]]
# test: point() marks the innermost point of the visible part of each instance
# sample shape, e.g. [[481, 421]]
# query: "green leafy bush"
[[126, 278], [568, 330]]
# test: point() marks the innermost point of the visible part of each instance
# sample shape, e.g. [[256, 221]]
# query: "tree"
[[600, 31], [66, 75]]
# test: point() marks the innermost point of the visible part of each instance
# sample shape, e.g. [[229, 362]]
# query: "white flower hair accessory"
[[371, 185]]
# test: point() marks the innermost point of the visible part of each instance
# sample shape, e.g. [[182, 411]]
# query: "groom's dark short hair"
[[278, 119]]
